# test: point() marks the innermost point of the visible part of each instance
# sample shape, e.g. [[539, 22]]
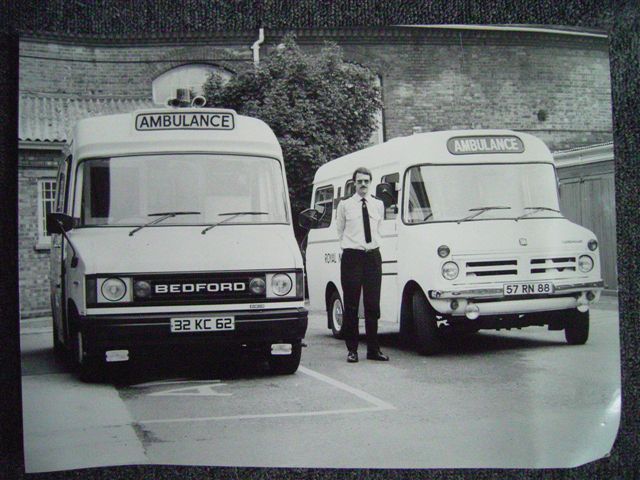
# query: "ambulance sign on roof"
[[485, 144], [185, 120]]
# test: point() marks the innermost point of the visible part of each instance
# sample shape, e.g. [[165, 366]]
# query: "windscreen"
[[204, 189], [455, 192]]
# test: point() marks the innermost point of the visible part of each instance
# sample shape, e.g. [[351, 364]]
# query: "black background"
[[102, 20]]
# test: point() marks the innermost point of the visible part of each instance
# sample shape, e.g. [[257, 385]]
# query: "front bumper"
[[140, 332], [492, 301]]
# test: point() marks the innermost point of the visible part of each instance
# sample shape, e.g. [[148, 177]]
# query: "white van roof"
[[432, 147], [125, 134]]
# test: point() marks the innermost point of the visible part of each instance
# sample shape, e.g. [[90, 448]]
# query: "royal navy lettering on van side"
[[185, 120], [485, 144]]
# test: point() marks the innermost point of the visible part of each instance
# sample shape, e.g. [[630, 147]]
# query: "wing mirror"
[[59, 222], [385, 192], [309, 218]]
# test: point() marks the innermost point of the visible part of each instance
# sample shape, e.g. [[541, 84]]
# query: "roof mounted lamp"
[[183, 99]]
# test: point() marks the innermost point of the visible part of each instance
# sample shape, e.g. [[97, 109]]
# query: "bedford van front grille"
[[491, 268], [552, 265]]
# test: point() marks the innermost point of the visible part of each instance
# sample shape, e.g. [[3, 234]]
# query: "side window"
[[46, 200], [392, 179], [323, 202], [349, 188]]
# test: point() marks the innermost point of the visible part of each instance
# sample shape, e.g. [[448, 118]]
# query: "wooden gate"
[[587, 197]]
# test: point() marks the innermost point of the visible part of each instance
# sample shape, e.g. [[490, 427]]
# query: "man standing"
[[358, 223]]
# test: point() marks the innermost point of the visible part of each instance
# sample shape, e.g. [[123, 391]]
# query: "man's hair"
[[364, 171]]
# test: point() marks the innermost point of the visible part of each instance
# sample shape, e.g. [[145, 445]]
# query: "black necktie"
[[365, 219]]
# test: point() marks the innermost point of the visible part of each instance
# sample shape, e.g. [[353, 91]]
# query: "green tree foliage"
[[319, 106]]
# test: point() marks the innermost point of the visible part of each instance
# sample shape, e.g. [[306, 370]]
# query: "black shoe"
[[352, 357], [381, 357]]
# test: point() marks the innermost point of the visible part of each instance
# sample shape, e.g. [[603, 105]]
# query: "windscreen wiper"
[[232, 215], [536, 209], [163, 216], [478, 211]]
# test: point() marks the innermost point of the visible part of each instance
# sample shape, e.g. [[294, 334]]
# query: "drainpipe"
[[256, 47]]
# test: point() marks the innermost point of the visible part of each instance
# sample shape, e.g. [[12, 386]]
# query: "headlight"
[[585, 263], [593, 244], [281, 284], [142, 289], [113, 289], [450, 270], [257, 286], [443, 251]]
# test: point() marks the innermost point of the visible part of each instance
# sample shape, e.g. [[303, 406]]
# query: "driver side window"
[[393, 179], [323, 202]]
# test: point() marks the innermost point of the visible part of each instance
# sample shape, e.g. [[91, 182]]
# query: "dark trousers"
[[361, 271]]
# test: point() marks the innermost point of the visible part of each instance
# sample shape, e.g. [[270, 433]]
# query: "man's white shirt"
[[351, 227]]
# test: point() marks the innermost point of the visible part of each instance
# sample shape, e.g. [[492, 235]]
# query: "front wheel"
[[335, 312], [287, 364], [88, 367], [428, 338], [576, 327]]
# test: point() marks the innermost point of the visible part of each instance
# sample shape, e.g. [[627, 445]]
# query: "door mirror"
[[384, 192], [309, 218], [59, 222]]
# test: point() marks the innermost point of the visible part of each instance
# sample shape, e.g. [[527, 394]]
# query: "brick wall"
[[434, 80], [493, 83], [33, 262], [114, 71]]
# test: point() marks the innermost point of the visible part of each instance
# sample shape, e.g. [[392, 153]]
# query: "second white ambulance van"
[[472, 238]]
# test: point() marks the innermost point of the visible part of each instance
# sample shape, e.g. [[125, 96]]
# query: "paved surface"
[[496, 399]]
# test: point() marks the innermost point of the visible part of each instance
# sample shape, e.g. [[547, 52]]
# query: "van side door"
[[56, 274], [389, 233]]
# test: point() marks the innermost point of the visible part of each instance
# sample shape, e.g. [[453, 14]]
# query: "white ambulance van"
[[172, 231], [472, 238]]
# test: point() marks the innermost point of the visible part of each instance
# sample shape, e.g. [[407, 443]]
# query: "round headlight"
[[142, 289], [281, 284], [443, 251], [113, 289], [257, 286], [450, 270], [593, 244], [585, 263]]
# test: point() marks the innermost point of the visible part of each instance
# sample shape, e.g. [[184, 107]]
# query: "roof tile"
[[49, 118]]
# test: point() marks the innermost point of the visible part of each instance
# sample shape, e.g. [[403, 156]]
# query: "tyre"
[[58, 348], [335, 311], [576, 327], [88, 367], [286, 364], [407, 332], [428, 340]]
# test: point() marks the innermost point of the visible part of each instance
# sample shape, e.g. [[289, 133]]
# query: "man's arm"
[[340, 220]]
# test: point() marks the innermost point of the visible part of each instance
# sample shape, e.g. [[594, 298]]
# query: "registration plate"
[[531, 288], [202, 324]]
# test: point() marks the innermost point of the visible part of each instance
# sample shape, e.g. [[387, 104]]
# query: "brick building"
[[552, 83]]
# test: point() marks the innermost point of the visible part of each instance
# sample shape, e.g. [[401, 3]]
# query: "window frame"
[[388, 214], [43, 241], [328, 201]]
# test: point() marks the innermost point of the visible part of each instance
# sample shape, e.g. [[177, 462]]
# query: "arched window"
[[191, 76]]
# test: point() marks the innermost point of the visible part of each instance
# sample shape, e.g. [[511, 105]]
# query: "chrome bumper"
[[471, 293]]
